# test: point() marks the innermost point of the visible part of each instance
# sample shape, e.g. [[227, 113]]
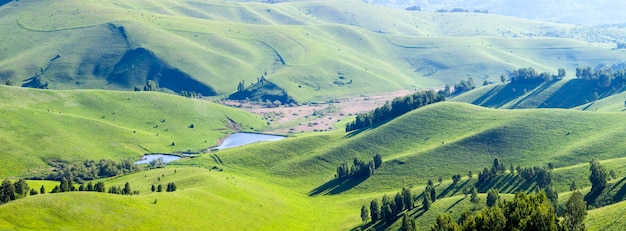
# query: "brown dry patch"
[[315, 117]]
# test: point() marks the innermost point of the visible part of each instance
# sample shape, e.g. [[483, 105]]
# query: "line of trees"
[[529, 75], [603, 77], [524, 212], [171, 187], [14, 190], [389, 209], [88, 170], [398, 107], [358, 168]]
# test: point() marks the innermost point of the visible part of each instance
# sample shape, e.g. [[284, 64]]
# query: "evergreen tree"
[[33, 192], [364, 214], [160, 188], [7, 191], [42, 190], [598, 177], [407, 198], [127, 190], [21, 188], [492, 197], [445, 222], [99, 187], [426, 202], [375, 211], [90, 186], [575, 213], [153, 188], [408, 224], [399, 203], [474, 197], [378, 161]]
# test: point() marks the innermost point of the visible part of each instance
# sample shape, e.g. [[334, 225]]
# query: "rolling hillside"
[[41, 125], [311, 49], [296, 174]]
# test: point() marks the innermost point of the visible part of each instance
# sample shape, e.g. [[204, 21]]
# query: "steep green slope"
[[606, 218], [40, 125], [566, 93], [308, 48]]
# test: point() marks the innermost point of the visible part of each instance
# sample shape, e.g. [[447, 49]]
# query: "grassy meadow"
[[311, 49]]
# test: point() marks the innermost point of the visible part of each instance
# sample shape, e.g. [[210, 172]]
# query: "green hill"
[[566, 93], [41, 125], [296, 174], [605, 218], [307, 48]]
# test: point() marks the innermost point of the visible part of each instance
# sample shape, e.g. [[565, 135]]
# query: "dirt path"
[[315, 117]]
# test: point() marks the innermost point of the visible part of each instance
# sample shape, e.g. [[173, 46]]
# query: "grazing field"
[[39, 126], [316, 51]]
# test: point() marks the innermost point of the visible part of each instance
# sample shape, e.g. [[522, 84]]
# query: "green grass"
[[286, 184], [39, 125], [606, 218], [303, 46]]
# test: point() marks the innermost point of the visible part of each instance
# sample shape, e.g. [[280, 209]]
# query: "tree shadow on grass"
[[336, 186], [3, 2], [619, 196]]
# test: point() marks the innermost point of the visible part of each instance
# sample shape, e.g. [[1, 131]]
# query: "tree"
[[408, 198], [99, 187], [364, 213], [127, 190], [160, 188], [42, 190], [408, 224], [492, 197], [9, 82], [502, 78], [561, 73], [598, 177], [153, 188], [378, 161], [445, 223], [426, 202], [374, 211], [21, 188], [150, 86], [33, 192], [474, 197], [575, 213], [90, 186], [7, 191]]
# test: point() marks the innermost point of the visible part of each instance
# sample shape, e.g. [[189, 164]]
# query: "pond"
[[243, 138], [145, 159]]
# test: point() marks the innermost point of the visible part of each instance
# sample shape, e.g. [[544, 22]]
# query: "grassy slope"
[[566, 93], [606, 218], [284, 174], [37, 125], [222, 43]]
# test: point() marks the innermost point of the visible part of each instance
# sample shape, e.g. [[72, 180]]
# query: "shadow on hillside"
[[619, 196], [499, 96], [3, 2], [577, 92], [336, 186]]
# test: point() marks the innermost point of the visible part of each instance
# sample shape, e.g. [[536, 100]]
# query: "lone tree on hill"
[[598, 177]]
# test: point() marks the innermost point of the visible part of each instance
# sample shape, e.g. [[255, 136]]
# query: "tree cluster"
[[524, 212], [529, 75], [88, 170], [603, 77], [397, 107], [67, 185], [358, 168], [171, 187], [389, 210], [123, 191], [12, 191]]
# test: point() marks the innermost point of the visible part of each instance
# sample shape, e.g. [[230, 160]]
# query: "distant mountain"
[[562, 11]]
